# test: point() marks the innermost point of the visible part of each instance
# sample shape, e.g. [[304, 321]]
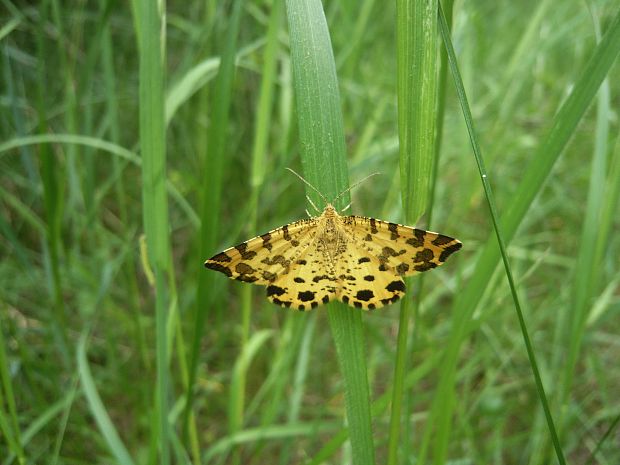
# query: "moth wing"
[[311, 282], [406, 250], [365, 282], [263, 259]]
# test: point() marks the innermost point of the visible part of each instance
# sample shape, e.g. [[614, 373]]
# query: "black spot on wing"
[[299, 280], [274, 290], [391, 300], [306, 296], [221, 257], [425, 266], [402, 269], [363, 260], [322, 277], [217, 267], [268, 276], [373, 226], [418, 238], [396, 286], [369, 277], [365, 295], [285, 233], [425, 255], [442, 240], [244, 268], [245, 254], [393, 228], [267, 241], [449, 251]]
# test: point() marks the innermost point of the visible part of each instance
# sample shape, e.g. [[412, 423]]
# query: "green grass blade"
[[214, 166], [587, 269], [417, 96], [109, 432], [265, 433], [53, 179], [323, 159], [257, 176], [155, 201], [9, 424]]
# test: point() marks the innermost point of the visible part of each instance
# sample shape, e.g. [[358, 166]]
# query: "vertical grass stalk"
[[154, 198], [417, 97], [323, 157], [214, 168]]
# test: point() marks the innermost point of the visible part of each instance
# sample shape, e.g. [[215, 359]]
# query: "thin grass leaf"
[[266, 433], [40, 422], [323, 157], [9, 424], [417, 97], [53, 180], [100, 414], [155, 202], [587, 268], [214, 166]]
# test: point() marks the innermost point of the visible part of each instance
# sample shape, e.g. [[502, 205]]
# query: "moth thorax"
[[330, 230]]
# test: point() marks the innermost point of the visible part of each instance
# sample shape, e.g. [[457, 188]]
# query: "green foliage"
[[128, 156]]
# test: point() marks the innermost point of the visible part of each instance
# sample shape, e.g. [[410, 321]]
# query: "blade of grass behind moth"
[[214, 167], [562, 127], [586, 272], [257, 176], [53, 179], [324, 165], [155, 202], [417, 94], [440, 121], [9, 424], [100, 414]]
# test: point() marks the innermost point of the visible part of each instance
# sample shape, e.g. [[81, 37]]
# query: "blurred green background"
[[85, 332]]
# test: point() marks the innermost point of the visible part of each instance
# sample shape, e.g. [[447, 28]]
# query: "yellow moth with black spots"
[[357, 260]]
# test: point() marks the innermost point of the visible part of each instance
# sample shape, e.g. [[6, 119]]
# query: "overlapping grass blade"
[[417, 98], [106, 426], [323, 157], [155, 202], [214, 165]]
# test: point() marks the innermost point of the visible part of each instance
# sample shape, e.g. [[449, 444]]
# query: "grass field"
[[128, 157]]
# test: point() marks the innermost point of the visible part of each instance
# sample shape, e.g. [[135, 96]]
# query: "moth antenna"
[[313, 205], [353, 187], [309, 185]]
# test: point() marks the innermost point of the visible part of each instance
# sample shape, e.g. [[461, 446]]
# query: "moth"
[[354, 259]]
